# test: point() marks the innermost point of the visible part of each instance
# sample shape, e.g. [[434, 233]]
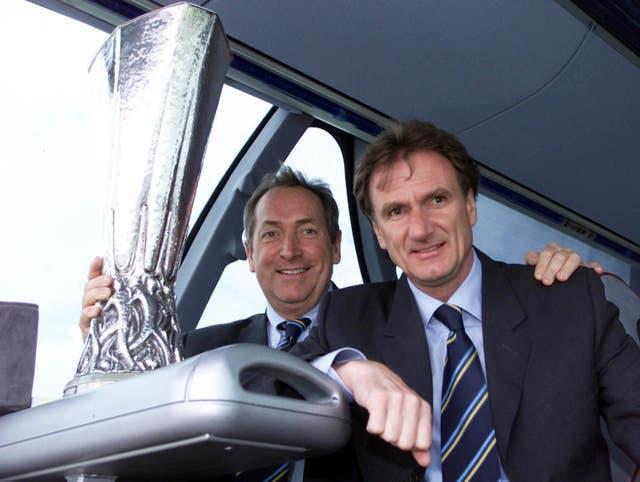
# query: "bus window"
[[507, 234], [237, 117], [52, 181]]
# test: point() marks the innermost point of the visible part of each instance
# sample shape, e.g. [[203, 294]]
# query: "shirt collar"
[[275, 318], [468, 296]]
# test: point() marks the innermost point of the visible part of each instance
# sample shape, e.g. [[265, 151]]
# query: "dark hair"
[[401, 140], [288, 177]]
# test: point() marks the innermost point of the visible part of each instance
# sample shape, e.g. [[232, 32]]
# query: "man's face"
[[292, 254], [423, 220]]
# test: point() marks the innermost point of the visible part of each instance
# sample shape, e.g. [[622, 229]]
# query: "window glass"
[[238, 294], [318, 155], [51, 181], [507, 235], [237, 116]]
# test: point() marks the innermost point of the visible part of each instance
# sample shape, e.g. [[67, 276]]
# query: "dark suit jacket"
[[556, 359], [249, 330]]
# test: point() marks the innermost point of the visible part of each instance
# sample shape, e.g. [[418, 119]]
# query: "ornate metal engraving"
[[164, 72]]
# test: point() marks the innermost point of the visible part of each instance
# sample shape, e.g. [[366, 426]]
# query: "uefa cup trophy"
[[161, 77]]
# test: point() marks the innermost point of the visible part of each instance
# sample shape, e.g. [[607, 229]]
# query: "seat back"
[[628, 301], [18, 337]]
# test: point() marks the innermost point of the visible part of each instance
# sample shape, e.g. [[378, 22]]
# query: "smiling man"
[[292, 246], [424, 223], [473, 369], [292, 242]]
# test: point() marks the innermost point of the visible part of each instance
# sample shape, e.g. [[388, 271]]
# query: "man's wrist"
[[327, 362]]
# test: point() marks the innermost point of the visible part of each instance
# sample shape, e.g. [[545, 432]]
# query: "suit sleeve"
[[618, 366]]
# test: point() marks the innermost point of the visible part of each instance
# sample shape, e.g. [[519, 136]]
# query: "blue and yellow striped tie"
[[468, 440], [292, 329]]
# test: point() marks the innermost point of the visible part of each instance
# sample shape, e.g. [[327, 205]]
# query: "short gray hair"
[[288, 177]]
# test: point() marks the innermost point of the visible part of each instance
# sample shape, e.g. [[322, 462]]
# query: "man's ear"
[[247, 251], [336, 247], [376, 229], [472, 208]]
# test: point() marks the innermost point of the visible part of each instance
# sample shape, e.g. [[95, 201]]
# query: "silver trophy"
[[162, 75]]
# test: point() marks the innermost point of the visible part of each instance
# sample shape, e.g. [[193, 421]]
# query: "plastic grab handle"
[[230, 362]]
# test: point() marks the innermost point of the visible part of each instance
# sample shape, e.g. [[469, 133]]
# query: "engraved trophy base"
[[86, 383]]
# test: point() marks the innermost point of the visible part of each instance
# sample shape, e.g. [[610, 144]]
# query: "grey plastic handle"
[[315, 387]]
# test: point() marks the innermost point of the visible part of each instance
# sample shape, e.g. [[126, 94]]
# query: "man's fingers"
[[422, 448], [92, 296], [423, 432], [423, 457], [86, 315], [394, 418], [101, 281], [91, 311], [543, 261], [407, 439], [597, 267], [95, 268], [531, 257], [97, 289], [376, 404], [402, 419], [553, 263], [562, 265], [397, 414]]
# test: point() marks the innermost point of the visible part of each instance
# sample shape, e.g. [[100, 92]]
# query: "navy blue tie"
[[291, 331], [468, 440]]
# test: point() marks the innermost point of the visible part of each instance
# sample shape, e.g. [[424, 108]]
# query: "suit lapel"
[[255, 331], [404, 345], [506, 348]]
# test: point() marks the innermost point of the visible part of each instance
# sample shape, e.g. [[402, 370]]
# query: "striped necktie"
[[468, 440], [291, 331]]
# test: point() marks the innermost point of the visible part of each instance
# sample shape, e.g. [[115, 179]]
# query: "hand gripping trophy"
[[162, 75]]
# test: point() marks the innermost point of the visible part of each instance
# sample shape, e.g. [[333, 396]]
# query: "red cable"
[[606, 273]]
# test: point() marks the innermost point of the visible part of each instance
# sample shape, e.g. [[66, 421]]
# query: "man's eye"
[[268, 234], [439, 199], [309, 231], [395, 212]]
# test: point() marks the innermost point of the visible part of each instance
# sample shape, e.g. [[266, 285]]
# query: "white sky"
[[46, 176]]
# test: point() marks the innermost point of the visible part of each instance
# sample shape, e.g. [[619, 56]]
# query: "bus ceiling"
[[544, 94]]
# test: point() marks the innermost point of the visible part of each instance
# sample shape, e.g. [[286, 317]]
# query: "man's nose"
[[420, 225], [290, 247]]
